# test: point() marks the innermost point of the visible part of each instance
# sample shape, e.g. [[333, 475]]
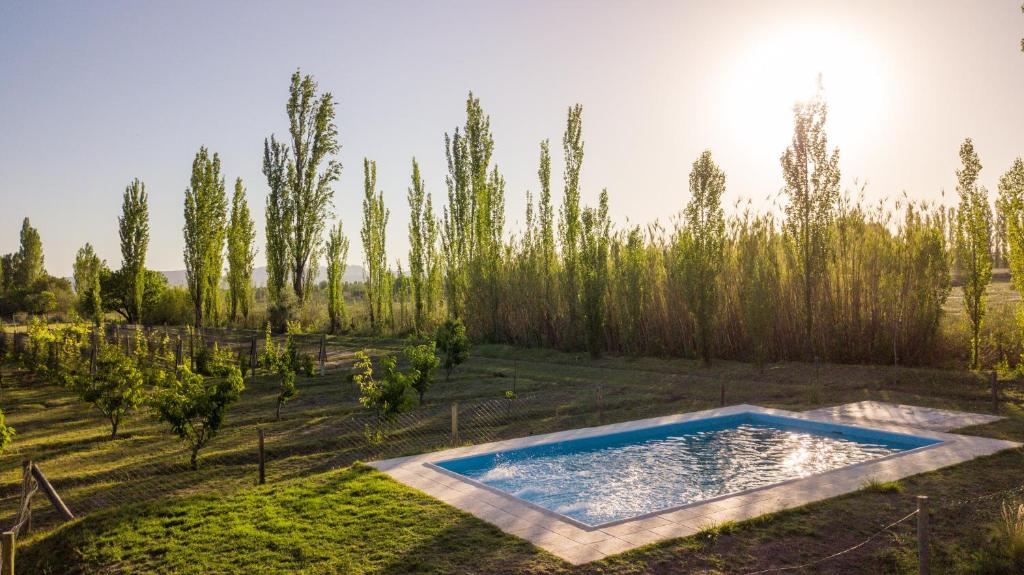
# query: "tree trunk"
[[114, 423], [279, 409], [195, 457]]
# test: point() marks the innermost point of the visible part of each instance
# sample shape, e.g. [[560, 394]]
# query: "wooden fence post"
[[923, 552], [263, 476], [252, 356], [455, 423], [994, 382], [323, 353], [7, 552], [51, 493]]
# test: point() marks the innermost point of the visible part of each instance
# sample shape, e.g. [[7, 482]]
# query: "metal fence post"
[[455, 423], [923, 553], [7, 544], [263, 476]]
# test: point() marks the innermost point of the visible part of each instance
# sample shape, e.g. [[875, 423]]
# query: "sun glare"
[[778, 70]]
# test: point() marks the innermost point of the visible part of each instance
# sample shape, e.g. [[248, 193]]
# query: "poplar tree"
[[703, 238], [28, 261], [205, 228], [241, 253], [457, 234], [1011, 206], [133, 227], [337, 256], [569, 230], [811, 174], [311, 171], [278, 224], [548, 259], [973, 242], [87, 277], [420, 248], [375, 221]]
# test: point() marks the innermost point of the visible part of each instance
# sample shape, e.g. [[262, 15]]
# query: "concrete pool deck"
[[578, 544]]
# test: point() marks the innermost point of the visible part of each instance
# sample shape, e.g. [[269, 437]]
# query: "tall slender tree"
[[311, 171], [373, 234], [703, 239], [133, 226], [595, 238], [205, 228], [241, 253], [1011, 206], [337, 257], [29, 259], [973, 243], [811, 174], [548, 259], [569, 230], [278, 224], [419, 246]]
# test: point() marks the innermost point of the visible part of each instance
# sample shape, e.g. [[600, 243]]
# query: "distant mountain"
[[259, 276]]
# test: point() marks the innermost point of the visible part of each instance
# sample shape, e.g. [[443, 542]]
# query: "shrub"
[[424, 360], [387, 396], [453, 344], [195, 407]]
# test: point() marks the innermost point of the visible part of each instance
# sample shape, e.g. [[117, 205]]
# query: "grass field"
[[317, 517]]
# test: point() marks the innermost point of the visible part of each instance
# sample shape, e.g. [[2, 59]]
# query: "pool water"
[[608, 478]]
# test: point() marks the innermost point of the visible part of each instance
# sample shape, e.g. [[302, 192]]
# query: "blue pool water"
[[608, 478]]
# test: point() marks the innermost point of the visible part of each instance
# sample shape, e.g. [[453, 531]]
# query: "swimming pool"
[[598, 480]]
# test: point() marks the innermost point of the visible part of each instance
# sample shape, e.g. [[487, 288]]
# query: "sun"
[[777, 70]]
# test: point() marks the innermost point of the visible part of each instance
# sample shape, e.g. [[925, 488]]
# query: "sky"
[[94, 94]]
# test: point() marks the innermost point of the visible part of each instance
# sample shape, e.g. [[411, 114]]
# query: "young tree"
[[337, 257], [286, 389], [703, 239], [29, 259], [387, 396], [973, 242], [87, 269], [115, 390], [195, 407], [453, 344], [278, 221], [595, 237], [569, 229], [811, 174], [421, 247], [133, 226], [241, 253], [205, 228], [423, 359], [548, 259], [314, 141], [373, 234]]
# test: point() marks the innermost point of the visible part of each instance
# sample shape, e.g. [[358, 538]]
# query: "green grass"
[[315, 518]]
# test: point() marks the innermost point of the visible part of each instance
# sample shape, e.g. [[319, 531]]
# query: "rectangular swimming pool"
[[609, 478]]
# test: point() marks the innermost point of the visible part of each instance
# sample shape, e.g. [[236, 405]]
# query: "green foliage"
[[373, 234], [278, 223], [116, 290], [453, 344], [28, 261], [268, 357], [423, 359], [422, 249], [1010, 207], [337, 257], [6, 433], [286, 389], [241, 239], [195, 406], [206, 208], [703, 239], [811, 173], [569, 225], [116, 390], [133, 227], [388, 395], [973, 243], [758, 270], [594, 243]]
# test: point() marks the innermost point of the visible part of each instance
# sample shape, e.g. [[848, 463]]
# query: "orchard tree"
[[373, 234], [452, 344], [205, 229], [703, 243], [115, 390], [133, 227], [195, 406], [337, 257], [241, 253], [811, 174], [423, 359], [387, 395], [973, 243], [286, 387]]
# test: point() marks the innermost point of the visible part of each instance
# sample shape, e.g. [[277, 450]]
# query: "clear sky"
[[93, 94]]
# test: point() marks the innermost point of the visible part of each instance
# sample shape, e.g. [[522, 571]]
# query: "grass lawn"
[[313, 517]]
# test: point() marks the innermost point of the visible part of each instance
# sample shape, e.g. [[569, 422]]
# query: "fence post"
[[455, 423], [7, 562], [26, 467], [252, 356], [994, 382], [263, 477], [51, 493], [923, 553], [323, 353]]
